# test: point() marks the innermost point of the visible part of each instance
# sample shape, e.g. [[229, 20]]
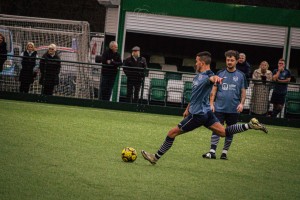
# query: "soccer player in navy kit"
[[227, 101], [198, 111]]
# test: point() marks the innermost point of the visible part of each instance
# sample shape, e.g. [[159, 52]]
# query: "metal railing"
[[157, 87]]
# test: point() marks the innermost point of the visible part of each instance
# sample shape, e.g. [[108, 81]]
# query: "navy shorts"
[[278, 98], [192, 122], [229, 118]]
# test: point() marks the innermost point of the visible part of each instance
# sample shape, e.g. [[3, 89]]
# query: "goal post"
[[66, 34]]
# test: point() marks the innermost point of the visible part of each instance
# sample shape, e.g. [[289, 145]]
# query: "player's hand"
[[240, 108], [108, 61], [186, 113], [280, 68], [218, 80], [212, 107]]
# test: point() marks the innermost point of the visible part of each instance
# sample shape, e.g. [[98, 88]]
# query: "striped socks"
[[165, 147], [236, 128]]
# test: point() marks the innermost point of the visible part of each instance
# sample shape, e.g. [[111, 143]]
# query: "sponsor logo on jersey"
[[235, 78], [224, 86]]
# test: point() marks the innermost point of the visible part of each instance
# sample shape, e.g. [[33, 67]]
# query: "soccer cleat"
[[209, 155], [150, 157], [255, 124], [224, 156]]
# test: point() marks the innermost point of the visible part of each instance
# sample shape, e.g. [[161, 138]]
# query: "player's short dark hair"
[[281, 59], [232, 53], [205, 56]]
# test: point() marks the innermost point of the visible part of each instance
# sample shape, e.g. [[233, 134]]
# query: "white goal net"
[[72, 40]]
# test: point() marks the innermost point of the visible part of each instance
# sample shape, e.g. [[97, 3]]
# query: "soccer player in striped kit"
[[227, 101], [199, 113]]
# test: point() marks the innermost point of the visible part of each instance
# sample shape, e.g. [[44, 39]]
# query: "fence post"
[[116, 86]]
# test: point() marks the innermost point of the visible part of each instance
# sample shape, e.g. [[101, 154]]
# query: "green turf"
[[63, 152]]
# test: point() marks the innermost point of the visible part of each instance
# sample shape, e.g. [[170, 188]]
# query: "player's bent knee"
[[218, 129], [174, 132], [222, 133]]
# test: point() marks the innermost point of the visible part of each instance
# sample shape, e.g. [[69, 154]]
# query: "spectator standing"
[[281, 77], [3, 51], [134, 70], [50, 65], [227, 101], [244, 66], [111, 60], [29, 67], [261, 78]]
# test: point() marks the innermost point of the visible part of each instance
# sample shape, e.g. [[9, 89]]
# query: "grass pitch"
[[64, 152]]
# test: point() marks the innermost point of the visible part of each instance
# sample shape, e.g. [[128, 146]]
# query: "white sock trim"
[[247, 126]]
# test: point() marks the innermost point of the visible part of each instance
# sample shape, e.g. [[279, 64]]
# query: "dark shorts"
[[192, 122], [278, 98], [229, 118]]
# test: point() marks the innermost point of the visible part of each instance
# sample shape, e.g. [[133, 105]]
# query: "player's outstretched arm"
[[216, 79], [212, 98]]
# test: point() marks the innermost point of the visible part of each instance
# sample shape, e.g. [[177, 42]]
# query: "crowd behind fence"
[[165, 88]]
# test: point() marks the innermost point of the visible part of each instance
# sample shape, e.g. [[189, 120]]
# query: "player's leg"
[[166, 145], [219, 129], [48, 88], [26, 87], [278, 101], [22, 86], [231, 119], [130, 84], [107, 82], [187, 124], [214, 140], [137, 87], [276, 109]]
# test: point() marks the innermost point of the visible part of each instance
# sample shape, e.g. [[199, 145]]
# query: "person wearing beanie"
[[134, 69]]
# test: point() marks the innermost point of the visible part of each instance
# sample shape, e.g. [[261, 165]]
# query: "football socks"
[[236, 128], [165, 147]]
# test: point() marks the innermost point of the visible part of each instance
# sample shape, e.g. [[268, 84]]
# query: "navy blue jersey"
[[281, 88], [228, 95], [201, 89]]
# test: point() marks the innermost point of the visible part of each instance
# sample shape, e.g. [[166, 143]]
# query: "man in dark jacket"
[[3, 51], [111, 60], [134, 69], [244, 66], [50, 68]]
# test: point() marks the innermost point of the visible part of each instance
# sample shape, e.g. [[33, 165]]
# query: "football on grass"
[[129, 154]]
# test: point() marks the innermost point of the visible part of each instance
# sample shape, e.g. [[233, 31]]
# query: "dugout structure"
[[176, 30], [71, 36], [268, 28]]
